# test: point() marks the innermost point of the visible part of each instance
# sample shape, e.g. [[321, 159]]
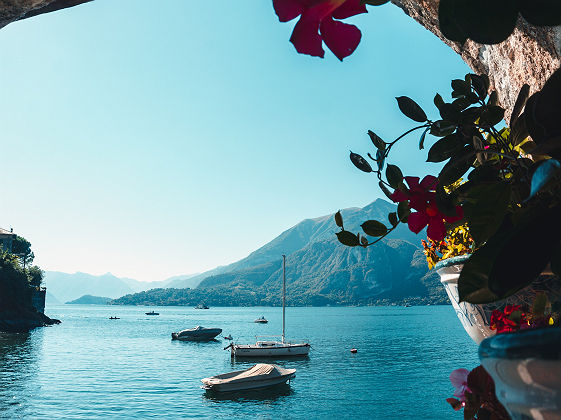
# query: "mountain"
[[68, 287], [309, 230], [90, 300], [320, 270]]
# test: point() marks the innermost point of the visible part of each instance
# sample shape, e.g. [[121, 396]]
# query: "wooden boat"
[[270, 348], [261, 375]]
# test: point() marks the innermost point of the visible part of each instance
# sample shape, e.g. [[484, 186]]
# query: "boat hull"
[[278, 351], [266, 383], [197, 335]]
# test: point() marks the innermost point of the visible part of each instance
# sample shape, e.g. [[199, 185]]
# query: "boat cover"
[[258, 372]]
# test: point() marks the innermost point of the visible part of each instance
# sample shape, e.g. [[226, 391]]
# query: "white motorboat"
[[271, 348], [261, 320], [196, 334], [260, 375]]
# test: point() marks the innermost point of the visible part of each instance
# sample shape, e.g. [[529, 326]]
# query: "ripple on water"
[[91, 367]]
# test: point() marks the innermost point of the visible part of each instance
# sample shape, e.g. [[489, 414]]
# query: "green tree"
[[22, 248]]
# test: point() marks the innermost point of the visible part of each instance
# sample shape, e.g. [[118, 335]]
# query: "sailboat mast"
[[283, 292]]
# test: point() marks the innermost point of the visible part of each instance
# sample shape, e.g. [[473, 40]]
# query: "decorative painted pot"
[[526, 368], [476, 318]]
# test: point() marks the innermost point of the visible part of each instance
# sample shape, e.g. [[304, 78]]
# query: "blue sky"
[[150, 139]]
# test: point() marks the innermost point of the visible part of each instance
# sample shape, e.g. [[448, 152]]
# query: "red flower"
[[502, 321], [316, 24], [421, 197]]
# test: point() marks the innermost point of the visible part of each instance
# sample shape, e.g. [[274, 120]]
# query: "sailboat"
[[272, 348]]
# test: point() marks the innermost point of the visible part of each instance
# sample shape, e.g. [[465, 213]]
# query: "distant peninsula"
[[90, 300]]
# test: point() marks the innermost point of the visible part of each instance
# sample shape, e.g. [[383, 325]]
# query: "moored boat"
[[270, 348], [261, 375], [152, 313], [196, 334], [201, 306], [261, 320]]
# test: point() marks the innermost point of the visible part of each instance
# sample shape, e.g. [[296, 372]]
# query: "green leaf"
[[374, 228], [442, 128], [347, 238], [392, 217], [393, 175], [403, 211], [520, 102], [484, 208], [493, 99], [450, 113], [378, 142], [470, 115], [541, 12], [546, 172], [339, 219], [360, 162], [489, 21], [422, 139], [444, 148], [480, 84], [447, 21], [411, 109], [438, 101], [457, 166], [460, 86], [492, 115], [473, 284], [385, 190], [527, 250]]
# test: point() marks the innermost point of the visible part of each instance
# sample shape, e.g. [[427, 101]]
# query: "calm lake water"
[[92, 367]]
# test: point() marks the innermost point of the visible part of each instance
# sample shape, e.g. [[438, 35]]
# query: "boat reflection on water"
[[265, 394]]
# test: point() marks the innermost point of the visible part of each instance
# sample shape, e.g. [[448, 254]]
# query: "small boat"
[[271, 348], [114, 317], [261, 375], [152, 313], [228, 337], [201, 306], [261, 320], [196, 334]]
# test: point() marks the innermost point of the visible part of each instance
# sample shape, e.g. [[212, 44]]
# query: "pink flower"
[[317, 24], [459, 379], [421, 197]]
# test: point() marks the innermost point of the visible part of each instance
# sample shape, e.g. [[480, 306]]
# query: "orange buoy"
[[354, 350]]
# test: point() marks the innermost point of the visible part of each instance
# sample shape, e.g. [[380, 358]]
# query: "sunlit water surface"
[[92, 367]]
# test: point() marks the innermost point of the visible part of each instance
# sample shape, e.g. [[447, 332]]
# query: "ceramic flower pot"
[[476, 318], [526, 368]]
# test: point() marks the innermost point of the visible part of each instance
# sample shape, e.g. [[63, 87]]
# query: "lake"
[[92, 367]]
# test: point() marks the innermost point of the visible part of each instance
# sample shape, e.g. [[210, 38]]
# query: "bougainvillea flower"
[[317, 24], [459, 379], [503, 322], [421, 197]]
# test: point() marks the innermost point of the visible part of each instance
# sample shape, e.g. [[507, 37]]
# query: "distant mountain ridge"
[[64, 287], [307, 231], [320, 270]]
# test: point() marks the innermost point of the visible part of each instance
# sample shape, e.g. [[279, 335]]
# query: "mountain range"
[[64, 287], [320, 270]]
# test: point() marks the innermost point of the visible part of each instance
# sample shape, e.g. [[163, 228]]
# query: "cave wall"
[[530, 55]]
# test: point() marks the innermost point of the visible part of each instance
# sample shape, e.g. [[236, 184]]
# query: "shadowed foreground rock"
[[23, 320]]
